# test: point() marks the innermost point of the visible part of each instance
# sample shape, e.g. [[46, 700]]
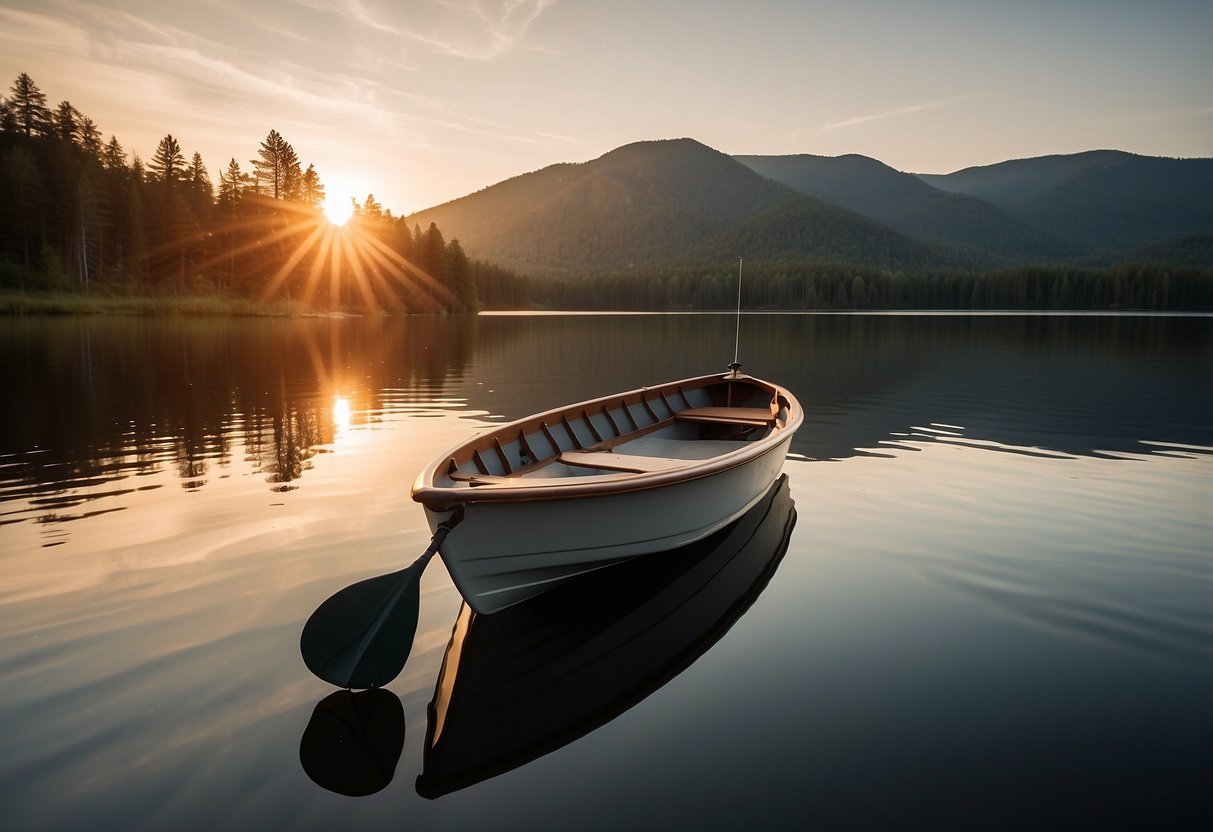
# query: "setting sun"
[[338, 210]]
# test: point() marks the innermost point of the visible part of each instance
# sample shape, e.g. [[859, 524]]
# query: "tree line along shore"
[[87, 227]]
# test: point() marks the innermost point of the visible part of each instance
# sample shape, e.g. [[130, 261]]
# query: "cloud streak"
[[470, 29], [1161, 116], [937, 104]]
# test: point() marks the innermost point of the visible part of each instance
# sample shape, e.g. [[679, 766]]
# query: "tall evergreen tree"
[[433, 253], [8, 116], [312, 190], [113, 157], [371, 209], [28, 103], [168, 163], [232, 184], [66, 120], [459, 274], [198, 178], [88, 137], [276, 168]]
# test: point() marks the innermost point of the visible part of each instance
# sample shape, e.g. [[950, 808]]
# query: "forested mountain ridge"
[[1100, 200], [966, 227], [657, 202], [668, 203]]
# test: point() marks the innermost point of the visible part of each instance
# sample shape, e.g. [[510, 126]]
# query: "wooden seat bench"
[[631, 463], [756, 416]]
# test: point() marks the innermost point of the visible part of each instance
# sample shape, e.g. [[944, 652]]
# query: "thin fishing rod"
[[737, 332]]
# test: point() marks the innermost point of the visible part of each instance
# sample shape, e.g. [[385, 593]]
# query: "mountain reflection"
[[1077, 385]]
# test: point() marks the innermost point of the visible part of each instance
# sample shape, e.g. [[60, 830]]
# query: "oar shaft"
[[440, 533]]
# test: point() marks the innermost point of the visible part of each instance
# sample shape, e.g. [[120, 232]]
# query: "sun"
[[338, 211]]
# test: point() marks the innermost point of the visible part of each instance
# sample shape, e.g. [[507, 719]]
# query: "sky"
[[423, 101]]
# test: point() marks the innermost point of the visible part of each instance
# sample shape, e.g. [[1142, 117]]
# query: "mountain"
[[1101, 200], [678, 202], [968, 227], [660, 202], [1195, 252]]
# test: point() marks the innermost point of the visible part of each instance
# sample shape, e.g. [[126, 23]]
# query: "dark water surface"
[[994, 609]]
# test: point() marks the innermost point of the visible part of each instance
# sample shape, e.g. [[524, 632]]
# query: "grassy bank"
[[64, 303]]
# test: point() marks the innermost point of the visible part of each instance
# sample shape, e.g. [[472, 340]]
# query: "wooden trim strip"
[[505, 460]]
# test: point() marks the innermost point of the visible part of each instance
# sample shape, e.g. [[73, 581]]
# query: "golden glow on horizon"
[[326, 266], [338, 210]]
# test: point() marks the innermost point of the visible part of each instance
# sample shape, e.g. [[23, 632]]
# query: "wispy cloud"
[[472, 29], [1167, 115], [937, 104]]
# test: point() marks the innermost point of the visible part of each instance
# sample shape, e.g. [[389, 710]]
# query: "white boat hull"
[[508, 552], [547, 498]]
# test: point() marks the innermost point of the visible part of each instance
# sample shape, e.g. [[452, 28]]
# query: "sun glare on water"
[[338, 211]]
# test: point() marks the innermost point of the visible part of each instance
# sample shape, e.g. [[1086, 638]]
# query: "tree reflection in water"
[[102, 400]]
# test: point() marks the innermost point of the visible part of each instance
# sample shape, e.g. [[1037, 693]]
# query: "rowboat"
[[519, 684], [558, 494]]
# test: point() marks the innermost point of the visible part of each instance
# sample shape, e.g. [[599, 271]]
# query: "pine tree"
[[66, 121], [232, 184], [168, 163], [371, 209], [433, 253], [276, 168], [113, 157], [28, 104], [459, 273], [8, 116], [88, 137], [312, 191], [198, 178]]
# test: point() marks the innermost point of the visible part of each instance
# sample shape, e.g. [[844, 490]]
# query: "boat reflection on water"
[[353, 741], [529, 679]]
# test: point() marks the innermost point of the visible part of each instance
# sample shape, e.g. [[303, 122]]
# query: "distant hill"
[[660, 202], [1195, 251], [967, 227], [679, 202], [1101, 200]]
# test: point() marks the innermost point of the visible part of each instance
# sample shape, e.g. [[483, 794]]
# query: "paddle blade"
[[361, 636]]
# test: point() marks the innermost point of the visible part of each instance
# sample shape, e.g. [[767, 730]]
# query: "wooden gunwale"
[[515, 488]]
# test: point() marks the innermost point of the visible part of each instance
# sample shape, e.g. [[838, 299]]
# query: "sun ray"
[[312, 285], [295, 245], [361, 281], [280, 277]]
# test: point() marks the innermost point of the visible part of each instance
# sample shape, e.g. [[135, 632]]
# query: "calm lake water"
[[994, 610]]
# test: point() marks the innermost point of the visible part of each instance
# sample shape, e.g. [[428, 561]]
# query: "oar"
[[361, 636]]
